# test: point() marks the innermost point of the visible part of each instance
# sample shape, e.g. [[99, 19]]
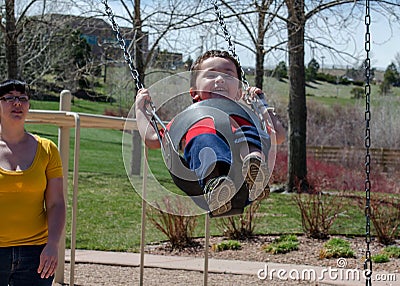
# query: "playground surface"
[[117, 268], [240, 267]]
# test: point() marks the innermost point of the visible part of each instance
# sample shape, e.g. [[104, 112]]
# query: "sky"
[[384, 47]]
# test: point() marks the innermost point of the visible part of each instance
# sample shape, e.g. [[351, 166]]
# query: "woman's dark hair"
[[12, 84], [211, 54]]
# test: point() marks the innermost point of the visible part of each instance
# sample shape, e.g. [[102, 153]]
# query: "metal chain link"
[[135, 73], [227, 36], [122, 44], [253, 101], [368, 261]]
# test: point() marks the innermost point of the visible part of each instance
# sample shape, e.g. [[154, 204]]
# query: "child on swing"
[[216, 74]]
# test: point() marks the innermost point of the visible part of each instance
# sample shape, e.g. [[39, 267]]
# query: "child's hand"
[[142, 96], [143, 99], [254, 92]]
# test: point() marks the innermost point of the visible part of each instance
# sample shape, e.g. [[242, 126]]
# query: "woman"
[[32, 206]]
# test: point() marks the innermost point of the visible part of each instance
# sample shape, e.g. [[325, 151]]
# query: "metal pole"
[[63, 146], [206, 246], [74, 194], [143, 220]]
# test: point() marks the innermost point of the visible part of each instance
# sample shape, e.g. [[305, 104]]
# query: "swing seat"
[[220, 110]]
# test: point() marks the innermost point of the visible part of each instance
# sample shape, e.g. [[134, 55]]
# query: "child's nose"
[[219, 78]]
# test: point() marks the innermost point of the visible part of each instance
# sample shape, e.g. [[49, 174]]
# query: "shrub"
[[279, 174], [178, 228], [324, 176], [283, 244], [385, 216], [336, 248], [119, 112], [358, 92], [227, 245], [318, 212], [392, 251], [380, 258], [241, 226]]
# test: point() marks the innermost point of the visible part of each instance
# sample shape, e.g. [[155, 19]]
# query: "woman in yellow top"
[[32, 206]]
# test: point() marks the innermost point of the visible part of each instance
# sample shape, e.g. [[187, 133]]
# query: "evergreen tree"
[[312, 70]]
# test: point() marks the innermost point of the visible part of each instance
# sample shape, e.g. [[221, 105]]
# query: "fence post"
[[63, 146]]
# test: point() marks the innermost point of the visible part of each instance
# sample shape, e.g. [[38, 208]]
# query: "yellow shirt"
[[23, 219]]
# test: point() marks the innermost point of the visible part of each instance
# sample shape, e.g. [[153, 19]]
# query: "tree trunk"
[[139, 48], [11, 41], [259, 78], [297, 110]]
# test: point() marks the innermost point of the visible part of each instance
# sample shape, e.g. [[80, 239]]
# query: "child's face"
[[216, 78]]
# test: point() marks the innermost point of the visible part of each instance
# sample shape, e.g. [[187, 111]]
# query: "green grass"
[[392, 251], [380, 258], [283, 244], [79, 105], [109, 208], [227, 245], [335, 248]]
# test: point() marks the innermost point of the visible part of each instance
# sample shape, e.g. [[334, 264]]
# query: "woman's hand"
[[48, 261]]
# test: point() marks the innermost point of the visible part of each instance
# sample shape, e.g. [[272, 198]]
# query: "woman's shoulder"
[[45, 142]]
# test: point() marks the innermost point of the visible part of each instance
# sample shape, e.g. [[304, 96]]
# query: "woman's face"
[[14, 105], [217, 78]]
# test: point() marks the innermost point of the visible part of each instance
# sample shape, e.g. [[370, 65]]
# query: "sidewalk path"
[[332, 276]]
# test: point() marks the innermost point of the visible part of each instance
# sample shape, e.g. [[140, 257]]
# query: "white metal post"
[[206, 246], [75, 194], [63, 146], [143, 219]]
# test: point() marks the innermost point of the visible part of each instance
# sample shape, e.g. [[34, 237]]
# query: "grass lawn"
[[109, 208], [109, 212]]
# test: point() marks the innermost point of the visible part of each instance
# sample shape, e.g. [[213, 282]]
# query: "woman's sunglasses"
[[12, 98]]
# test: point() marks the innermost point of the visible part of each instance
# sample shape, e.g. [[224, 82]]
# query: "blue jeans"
[[203, 151], [19, 264]]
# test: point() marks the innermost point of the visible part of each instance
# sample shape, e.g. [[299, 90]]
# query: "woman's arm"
[[55, 208]]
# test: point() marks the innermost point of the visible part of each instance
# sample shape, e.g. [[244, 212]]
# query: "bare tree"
[[33, 43], [258, 34], [297, 110], [397, 59], [10, 34], [153, 23]]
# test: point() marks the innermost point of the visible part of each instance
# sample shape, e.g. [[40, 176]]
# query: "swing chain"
[[368, 261], [255, 102], [134, 73], [122, 44], [231, 46]]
